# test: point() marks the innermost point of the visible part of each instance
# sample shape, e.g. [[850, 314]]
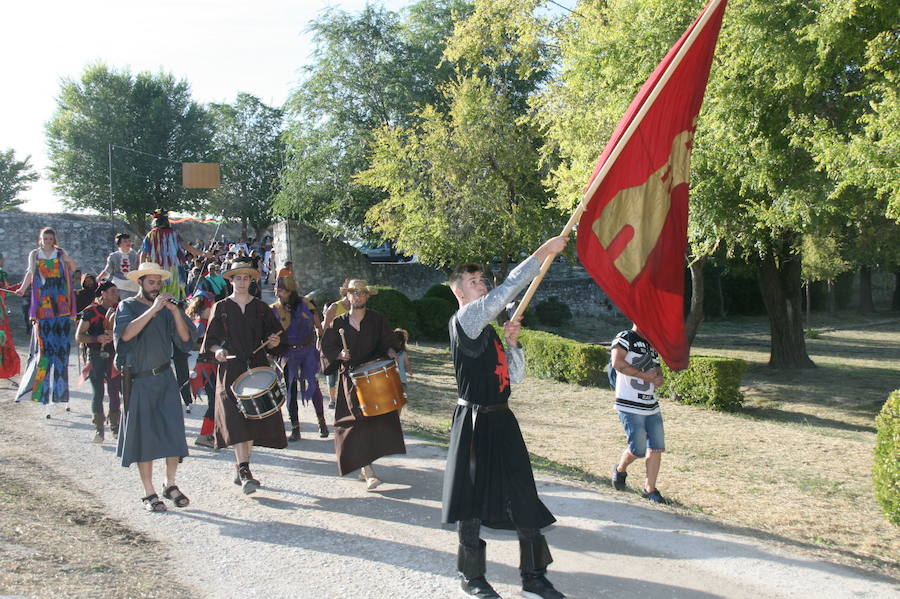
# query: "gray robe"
[[153, 428]]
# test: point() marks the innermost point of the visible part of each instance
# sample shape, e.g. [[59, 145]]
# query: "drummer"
[[241, 329], [360, 440]]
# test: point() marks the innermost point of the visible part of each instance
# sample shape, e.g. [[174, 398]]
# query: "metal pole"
[[112, 224]]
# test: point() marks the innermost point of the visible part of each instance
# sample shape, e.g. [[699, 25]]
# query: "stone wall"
[[321, 265], [87, 238]]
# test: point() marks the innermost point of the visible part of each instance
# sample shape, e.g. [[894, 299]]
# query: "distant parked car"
[[384, 252]]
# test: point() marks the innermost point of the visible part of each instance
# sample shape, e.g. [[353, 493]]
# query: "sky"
[[221, 47]]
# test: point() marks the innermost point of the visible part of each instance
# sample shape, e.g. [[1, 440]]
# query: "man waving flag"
[[632, 235]]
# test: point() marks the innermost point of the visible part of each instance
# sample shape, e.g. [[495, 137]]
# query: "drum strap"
[[345, 381]]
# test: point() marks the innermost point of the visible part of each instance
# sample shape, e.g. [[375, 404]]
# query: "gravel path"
[[310, 533]]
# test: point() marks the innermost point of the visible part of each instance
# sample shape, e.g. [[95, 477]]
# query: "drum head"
[[369, 367], [255, 381]]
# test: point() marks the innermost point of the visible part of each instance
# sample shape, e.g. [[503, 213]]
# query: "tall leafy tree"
[[464, 181], [16, 176], [369, 70], [464, 185], [755, 186], [153, 116], [247, 141]]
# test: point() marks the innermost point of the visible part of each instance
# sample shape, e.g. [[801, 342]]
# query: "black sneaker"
[[654, 496], [478, 587], [539, 587], [618, 479]]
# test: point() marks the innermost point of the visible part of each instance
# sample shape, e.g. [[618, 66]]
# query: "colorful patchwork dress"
[[52, 308], [163, 245]]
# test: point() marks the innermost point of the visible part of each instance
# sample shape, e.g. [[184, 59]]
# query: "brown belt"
[[483, 409]]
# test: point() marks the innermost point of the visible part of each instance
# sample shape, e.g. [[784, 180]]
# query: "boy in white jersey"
[[638, 375]]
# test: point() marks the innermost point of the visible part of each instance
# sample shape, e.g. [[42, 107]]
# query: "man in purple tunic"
[[300, 356]]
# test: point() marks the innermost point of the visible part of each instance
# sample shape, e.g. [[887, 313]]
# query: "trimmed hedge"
[[886, 468], [433, 314], [396, 307], [553, 357], [708, 381], [442, 291], [553, 312]]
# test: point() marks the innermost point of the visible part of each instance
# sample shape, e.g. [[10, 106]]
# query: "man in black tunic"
[[360, 440], [488, 477], [240, 328]]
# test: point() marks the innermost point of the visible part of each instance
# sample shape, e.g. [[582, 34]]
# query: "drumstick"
[[262, 345], [343, 339]]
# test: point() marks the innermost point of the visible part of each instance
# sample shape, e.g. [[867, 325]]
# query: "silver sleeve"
[[515, 359], [474, 316]]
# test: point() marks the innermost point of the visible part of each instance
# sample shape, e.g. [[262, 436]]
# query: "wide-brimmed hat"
[[148, 268], [241, 267], [358, 285]]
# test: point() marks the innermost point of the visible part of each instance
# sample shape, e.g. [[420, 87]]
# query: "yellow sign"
[[200, 175]]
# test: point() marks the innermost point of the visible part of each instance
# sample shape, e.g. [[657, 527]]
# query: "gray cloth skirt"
[[154, 424]]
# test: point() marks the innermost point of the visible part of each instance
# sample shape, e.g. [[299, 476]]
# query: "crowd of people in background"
[[169, 321]]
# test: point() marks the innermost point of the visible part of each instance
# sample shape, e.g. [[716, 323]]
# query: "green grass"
[[794, 462]]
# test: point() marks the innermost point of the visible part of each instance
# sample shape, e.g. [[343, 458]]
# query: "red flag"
[[632, 236]]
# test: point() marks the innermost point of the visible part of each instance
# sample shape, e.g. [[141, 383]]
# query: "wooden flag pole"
[[617, 149]]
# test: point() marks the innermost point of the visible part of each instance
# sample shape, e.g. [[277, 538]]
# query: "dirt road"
[[310, 533]]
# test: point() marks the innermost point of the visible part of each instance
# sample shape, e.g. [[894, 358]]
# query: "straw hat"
[[358, 285], [147, 268], [241, 267]]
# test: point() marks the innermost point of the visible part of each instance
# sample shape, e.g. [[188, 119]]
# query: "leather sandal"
[[175, 495], [152, 503]]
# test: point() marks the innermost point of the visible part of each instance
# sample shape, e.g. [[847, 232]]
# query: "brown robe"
[[360, 440], [240, 333]]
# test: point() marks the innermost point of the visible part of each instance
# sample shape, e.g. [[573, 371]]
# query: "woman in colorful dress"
[[51, 311]]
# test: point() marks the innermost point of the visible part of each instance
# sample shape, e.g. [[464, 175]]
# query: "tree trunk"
[[866, 304], [832, 304], [895, 301], [780, 284], [808, 300], [720, 294], [695, 316]]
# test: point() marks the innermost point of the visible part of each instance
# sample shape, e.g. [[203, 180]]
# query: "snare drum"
[[378, 387], [258, 393]]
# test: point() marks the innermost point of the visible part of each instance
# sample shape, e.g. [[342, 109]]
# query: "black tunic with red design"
[[488, 473]]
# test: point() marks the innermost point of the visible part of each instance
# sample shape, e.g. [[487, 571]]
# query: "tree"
[[461, 186], [247, 141], [370, 70], [16, 177], [464, 182], [822, 261], [755, 184], [154, 126]]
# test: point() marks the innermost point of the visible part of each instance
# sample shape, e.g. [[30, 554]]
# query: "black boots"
[[245, 479], [534, 556], [99, 421], [470, 564], [295, 431], [323, 428], [114, 418]]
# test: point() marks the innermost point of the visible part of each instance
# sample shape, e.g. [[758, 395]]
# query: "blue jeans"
[[643, 431]]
